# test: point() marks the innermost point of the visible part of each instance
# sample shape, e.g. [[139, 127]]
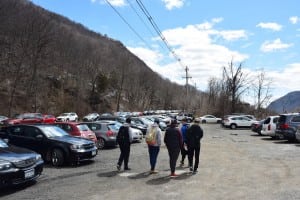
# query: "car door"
[[34, 139]]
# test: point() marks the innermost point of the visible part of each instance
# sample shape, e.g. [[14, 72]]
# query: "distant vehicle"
[[18, 165], [234, 122], [90, 117], [77, 129], [209, 119], [162, 125], [269, 126], [53, 143], [65, 117], [25, 118], [48, 119], [189, 117], [287, 125], [257, 126], [2, 118], [298, 134]]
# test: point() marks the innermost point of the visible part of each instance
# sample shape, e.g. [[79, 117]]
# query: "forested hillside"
[[50, 64]]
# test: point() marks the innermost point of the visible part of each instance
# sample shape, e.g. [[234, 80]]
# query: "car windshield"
[[83, 127], [3, 144], [53, 131]]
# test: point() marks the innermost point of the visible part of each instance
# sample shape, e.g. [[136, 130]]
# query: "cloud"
[[294, 19], [117, 3], [170, 4], [196, 47], [272, 26], [270, 46], [233, 35]]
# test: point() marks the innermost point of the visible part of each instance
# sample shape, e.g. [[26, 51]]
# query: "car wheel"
[[57, 157], [100, 143], [219, 121], [203, 121], [233, 126]]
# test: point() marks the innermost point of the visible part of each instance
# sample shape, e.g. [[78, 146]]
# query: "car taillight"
[[269, 127], [284, 126], [109, 133]]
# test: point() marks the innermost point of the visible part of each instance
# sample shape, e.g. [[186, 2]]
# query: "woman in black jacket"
[[173, 141]]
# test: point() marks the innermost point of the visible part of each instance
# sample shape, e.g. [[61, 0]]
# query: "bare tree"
[[261, 87], [236, 83]]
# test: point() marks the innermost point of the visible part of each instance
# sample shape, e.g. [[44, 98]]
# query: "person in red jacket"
[[173, 141]]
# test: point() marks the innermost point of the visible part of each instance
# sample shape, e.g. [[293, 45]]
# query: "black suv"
[[287, 125], [53, 143]]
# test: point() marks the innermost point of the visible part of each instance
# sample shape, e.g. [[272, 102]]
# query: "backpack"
[[151, 137], [123, 135]]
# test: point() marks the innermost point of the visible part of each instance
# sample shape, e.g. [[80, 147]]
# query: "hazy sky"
[[202, 35]]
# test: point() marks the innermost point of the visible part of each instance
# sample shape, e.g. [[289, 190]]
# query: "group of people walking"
[[185, 139]]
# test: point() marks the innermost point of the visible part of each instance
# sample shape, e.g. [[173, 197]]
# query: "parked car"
[[234, 122], [77, 129], [140, 123], [112, 118], [189, 117], [25, 118], [49, 119], [287, 125], [162, 125], [65, 117], [18, 165], [137, 135], [90, 117], [257, 126], [209, 119], [269, 126], [2, 118], [105, 132], [53, 143]]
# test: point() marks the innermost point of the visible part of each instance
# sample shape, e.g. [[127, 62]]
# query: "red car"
[[49, 119], [25, 118], [77, 129]]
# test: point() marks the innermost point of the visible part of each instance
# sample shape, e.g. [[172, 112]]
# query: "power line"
[[154, 25], [125, 21]]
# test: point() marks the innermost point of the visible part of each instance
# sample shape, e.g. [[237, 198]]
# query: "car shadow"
[[7, 190], [73, 165], [285, 142]]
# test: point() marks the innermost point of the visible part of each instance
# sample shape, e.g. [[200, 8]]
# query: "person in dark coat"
[[124, 139], [173, 142], [194, 135]]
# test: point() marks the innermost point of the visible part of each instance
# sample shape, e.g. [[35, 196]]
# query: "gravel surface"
[[234, 164]]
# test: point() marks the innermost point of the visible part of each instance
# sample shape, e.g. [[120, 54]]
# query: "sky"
[[203, 36]]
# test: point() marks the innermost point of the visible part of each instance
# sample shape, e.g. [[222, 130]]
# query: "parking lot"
[[234, 164]]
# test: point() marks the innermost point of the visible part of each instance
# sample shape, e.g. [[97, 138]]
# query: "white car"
[[65, 117], [234, 122], [90, 117], [209, 119], [137, 135], [269, 126]]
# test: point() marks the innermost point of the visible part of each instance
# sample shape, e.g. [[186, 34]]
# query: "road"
[[234, 164]]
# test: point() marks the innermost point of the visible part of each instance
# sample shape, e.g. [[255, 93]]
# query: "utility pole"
[[186, 88]]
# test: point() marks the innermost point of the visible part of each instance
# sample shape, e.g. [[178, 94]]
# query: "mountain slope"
[[288, 103]]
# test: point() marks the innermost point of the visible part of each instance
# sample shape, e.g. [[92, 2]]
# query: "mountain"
[[288, 103]]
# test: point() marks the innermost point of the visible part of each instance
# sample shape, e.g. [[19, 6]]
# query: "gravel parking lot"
[[234, 164]]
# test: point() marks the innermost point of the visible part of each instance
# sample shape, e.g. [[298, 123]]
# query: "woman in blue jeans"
[[154, 146]]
